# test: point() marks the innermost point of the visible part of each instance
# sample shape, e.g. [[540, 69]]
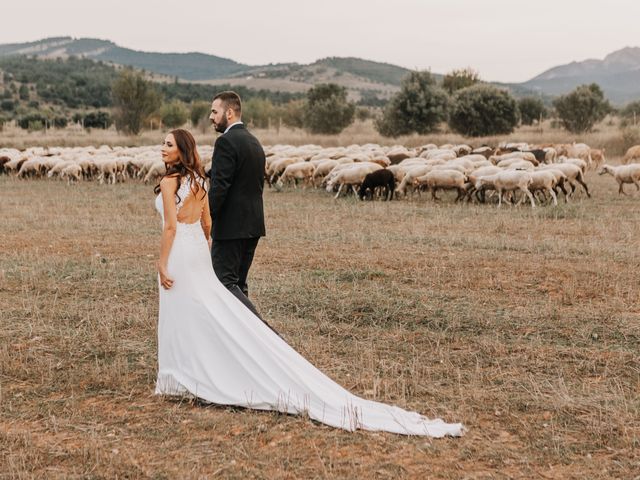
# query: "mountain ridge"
[[618, 73]]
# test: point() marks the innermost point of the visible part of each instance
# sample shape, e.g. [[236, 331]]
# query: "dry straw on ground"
[[522, 324]]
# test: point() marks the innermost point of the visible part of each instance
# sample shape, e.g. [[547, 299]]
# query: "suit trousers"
[[231, 262]]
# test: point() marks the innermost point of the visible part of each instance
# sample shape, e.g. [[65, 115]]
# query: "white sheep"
[[508, 180], [445, 180], [623, 174]]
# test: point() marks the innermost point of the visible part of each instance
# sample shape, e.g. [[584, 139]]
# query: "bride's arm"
[[205, 221], [167, 190]]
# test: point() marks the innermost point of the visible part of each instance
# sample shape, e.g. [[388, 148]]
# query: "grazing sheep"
[[411, 174], [445, 180], [382, 179], [633, 153], [73, 173], [473, 177], [156, 170], [505, 181], [3, 161], [544, 181], [496, 159], [623, 174], [353, 176], [297, 171], [573, 172]]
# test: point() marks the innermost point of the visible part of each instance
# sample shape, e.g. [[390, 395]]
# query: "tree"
[[582, 108], [483, 110], [531, 110], [292, 113], [459, 79], [419, 107], [199, 112], [630, 114], [23, 92], [259, 112], [174, 114], [134, 99], [327, 109]]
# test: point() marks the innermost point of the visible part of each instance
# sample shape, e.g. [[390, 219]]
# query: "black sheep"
[[380, 178]]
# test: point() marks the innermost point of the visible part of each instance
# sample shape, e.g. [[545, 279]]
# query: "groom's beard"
[[222, 126]]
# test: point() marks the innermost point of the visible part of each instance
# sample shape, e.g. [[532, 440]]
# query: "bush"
[[135, 100], [531, 110], [60, 122], [174, 114], [327, 109], [292, 113], [630, 114], [581, 109], [259, 112], [23, 92], [7, 105], [97, 119], [32, 121], [199, 111], [419, 107], [459, 79], [482, 110]]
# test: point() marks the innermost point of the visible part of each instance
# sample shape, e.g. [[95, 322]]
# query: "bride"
[[211, 346]]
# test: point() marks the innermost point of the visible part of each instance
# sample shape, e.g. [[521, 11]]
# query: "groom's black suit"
[[235, 201]]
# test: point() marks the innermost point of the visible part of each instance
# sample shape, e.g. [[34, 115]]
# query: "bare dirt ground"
[[524, 325]]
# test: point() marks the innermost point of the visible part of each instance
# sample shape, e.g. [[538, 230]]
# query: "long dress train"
[[211, 346]]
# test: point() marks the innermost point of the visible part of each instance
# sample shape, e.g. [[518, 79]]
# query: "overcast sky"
[[505, 40]]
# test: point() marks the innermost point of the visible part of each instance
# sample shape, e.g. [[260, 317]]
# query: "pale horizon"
[[504, 41]]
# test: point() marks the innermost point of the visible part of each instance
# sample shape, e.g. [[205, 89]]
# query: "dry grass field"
[[522, 324]]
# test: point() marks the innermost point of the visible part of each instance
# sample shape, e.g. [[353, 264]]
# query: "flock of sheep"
[[369, 171]]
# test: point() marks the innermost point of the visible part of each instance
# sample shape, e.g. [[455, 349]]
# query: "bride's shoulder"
[[169, 180]]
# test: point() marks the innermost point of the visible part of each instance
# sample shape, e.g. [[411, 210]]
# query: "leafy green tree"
[[419, 107], [96, 119], [259, 112], [327, 109], [582, 108], [483, 110], [630, 114], [23, 92], [7, 105], [531, 110], [199, 111], [459, 79], [174, 114], [135, 99], [292, 113]]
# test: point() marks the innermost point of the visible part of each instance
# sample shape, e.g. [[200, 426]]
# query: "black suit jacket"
[[237, 180]]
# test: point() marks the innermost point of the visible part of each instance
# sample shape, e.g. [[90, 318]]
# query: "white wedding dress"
[[212, 347]]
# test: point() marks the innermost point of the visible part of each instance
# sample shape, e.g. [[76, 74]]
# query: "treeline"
[[38, 93]]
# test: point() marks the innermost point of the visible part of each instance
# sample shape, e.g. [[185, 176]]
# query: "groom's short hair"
[[230, 100]]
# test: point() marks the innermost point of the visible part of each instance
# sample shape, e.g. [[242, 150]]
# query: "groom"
[[235, 196]]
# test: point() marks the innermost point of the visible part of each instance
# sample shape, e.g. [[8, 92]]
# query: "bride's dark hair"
[[189, 164]]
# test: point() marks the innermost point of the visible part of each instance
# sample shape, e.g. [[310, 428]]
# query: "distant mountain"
[[188, 66], [618, 74]]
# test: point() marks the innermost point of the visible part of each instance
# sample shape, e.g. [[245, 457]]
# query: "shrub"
[[459, 79], [531, 110], [135, 100], [7, 105], [292, 113], [199, 112], [174, 114], [32, 121], [482, 110], [419, 107], [327, 109], [259, 112], [581, 109]]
